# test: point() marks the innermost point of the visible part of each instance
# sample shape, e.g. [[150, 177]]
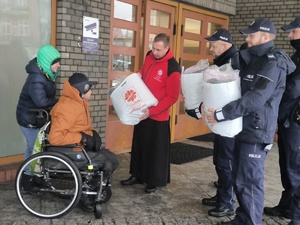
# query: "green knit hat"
[[46, 56]]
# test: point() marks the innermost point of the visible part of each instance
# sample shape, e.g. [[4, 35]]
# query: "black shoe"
[[213, 201], [221, 211], [150, 188], [278, 212], [87, 204], [29, 186], [131, 181], [231, 222]]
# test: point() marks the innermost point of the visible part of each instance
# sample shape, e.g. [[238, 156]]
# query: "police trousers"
[[248, 181], [222, 159], [291, 142], [283, 147]]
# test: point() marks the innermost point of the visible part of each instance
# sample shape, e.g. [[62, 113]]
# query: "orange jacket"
[[69, 116]]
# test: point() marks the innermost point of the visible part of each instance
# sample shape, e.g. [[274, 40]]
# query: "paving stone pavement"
[[179, 203]]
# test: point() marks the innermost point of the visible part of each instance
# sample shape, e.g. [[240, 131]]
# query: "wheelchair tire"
[[58, 190], [98, 210]]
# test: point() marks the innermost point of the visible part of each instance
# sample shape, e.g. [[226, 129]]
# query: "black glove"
[[88, 141], [195, 113], [98, 141]]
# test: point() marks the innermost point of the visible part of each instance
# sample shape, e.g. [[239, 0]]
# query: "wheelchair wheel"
[[53, 187], [98, 210]]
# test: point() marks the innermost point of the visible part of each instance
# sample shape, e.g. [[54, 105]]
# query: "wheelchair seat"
[[73, 152]]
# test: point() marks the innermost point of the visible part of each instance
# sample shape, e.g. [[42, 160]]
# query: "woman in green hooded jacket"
[[38, 92]]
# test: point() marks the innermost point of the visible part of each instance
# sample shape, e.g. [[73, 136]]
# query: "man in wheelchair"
[[71, 124]]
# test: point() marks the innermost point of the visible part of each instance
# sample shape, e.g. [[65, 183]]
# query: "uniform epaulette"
[[270, 55], [283, 60]]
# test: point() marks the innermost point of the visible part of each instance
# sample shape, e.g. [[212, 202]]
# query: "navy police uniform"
[[263, 79], [289, 141], [223, 146]]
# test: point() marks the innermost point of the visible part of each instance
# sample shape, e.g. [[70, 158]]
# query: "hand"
[[98, 140], [210, 117], [88, 141], [145, 114]]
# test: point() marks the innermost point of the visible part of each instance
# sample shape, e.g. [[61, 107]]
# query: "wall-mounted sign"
[[90, 40]]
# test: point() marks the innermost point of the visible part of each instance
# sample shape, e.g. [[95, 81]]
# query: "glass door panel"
[[124, 37], [192, 26], [125, 11], [159, 18], [191, 47]]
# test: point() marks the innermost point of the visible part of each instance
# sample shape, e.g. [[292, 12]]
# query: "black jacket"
[[263, 78], [38, 92], [230, 56]]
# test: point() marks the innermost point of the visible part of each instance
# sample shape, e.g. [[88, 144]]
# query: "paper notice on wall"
[[90, 37]]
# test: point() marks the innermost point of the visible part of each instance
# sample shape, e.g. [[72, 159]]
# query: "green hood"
[[45, 57]]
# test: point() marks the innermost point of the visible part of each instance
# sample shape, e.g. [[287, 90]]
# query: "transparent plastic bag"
[[198, 67]]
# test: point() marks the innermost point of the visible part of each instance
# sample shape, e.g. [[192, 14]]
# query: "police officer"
[[262, 85], [224, 52], [288, 136]]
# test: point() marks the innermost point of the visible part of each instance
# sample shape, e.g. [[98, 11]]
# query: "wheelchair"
[[61, 177]]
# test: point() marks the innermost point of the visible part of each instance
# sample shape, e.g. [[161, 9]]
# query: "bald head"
[[217, 48]]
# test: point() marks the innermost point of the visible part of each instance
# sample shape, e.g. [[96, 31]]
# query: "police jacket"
[[38, 92], [291, 95], [263, 79], [229, 56]]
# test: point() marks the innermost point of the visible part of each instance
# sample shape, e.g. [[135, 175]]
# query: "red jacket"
[[162, 77]]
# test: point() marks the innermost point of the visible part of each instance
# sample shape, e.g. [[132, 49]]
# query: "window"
[[22, 32]]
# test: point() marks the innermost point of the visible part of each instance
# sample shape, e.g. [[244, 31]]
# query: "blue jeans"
[[30, 135]]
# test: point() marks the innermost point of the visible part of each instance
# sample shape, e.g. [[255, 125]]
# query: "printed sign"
[[90, 40]]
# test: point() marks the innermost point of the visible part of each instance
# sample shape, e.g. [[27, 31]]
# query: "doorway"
[[134, 25]]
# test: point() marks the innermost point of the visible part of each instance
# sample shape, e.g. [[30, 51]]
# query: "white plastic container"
[[221, 86], [130, 98], [192, 89]]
